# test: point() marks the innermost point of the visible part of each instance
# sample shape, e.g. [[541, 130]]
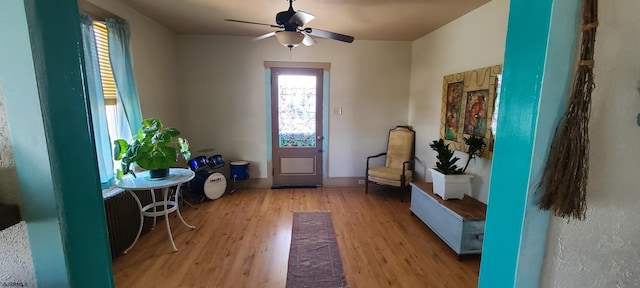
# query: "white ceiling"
[[390, 20]]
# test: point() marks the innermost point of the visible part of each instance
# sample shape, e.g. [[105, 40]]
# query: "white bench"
[[459, 223]]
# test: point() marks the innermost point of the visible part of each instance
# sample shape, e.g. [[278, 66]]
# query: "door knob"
[[319, 137]]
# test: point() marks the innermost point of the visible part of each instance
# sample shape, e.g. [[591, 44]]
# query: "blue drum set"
[[208, 183]]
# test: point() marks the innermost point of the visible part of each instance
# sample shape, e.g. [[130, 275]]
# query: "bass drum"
[[209, 184]]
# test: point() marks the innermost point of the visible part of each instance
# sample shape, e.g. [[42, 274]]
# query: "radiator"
[[123, 219]]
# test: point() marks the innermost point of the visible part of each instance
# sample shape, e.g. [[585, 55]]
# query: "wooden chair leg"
[[366, 184], [403, 191]]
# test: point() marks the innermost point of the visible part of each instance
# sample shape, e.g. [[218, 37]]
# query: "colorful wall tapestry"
[[468, 101]]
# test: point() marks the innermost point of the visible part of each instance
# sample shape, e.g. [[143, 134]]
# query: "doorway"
[[296, 127]]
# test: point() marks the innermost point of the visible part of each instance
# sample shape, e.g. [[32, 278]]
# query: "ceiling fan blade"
[[308, 41], [249, 22], [264, 36], [328, 35], [301, 18]]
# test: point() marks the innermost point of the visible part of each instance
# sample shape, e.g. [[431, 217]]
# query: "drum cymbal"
[[204, 150]]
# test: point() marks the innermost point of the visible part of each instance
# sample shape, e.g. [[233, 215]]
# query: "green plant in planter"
[[447, 162], [475, 145], [153, 148]]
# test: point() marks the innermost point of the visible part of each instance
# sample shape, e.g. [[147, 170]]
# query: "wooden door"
[[296, 126]]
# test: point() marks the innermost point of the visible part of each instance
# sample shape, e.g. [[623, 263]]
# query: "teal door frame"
[[538, 64], [52, 139]]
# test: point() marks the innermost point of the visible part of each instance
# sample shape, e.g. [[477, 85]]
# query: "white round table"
[[176, 177]]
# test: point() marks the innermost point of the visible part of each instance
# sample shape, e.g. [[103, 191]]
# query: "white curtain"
[[128, 105], [96, 102]]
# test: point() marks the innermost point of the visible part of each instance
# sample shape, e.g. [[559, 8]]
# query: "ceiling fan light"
[[290, 38]]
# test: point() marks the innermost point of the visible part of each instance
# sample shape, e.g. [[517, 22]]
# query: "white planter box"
[[450, 186]]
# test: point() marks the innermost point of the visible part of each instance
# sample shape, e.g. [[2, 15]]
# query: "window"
[[108, 82], [121, 115]]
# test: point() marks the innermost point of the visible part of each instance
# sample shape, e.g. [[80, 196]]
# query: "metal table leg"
[[141, 221]]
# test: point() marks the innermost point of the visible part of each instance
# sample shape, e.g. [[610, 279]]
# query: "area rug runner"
[[314, 258]]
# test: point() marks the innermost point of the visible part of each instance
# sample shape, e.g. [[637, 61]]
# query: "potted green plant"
[[449, 180], [154, 148]]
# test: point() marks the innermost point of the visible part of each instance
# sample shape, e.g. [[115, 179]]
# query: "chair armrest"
[[376, 156], [404, 168], [404, 165]]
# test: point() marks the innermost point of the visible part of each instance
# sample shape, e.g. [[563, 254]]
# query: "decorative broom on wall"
[[564, 180]]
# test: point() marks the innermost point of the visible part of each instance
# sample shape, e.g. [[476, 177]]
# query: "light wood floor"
[[242, 240]]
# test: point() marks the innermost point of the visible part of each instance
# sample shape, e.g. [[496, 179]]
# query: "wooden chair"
[[398, 168]]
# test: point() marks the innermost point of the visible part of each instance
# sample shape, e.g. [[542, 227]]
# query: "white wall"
[[154, 63], [9, 190], [222, 82], [602, 251], [16, 264], [473, 41]]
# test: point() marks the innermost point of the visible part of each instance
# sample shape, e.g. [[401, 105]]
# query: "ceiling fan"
[[293, 34]]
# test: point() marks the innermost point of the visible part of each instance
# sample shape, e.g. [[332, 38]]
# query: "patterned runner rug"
[[314, 258]]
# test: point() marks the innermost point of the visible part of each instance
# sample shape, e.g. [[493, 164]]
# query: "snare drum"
[[208, 184], [197, 163], [239, 170], [216, 161]]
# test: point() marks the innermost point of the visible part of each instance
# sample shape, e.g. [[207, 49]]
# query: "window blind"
[[106, 75]]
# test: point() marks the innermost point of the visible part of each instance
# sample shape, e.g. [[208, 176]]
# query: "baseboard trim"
[[293, 186], [267, 183], [342, 181]]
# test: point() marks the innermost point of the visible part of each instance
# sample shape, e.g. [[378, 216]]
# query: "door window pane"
[[297, 111]]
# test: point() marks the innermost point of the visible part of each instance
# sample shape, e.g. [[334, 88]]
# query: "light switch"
[[337, 111]]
